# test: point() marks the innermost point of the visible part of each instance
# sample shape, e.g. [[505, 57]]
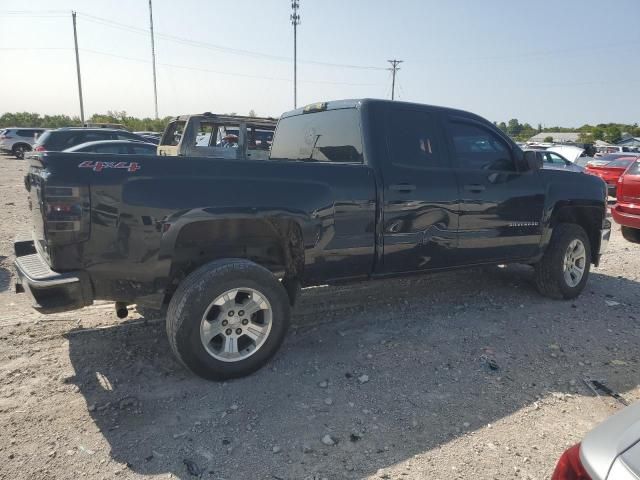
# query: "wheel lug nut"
[[241, 312], [245, 321], [238, 331], [231, 313], [224, 323], [228, 331]]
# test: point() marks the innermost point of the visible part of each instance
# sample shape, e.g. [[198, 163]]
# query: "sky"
[[553, 62]]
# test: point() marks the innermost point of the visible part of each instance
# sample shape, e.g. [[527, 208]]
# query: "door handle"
[[402, 187], [475, 188]]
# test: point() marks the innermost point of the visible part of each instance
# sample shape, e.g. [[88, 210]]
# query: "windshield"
[[42, 139]]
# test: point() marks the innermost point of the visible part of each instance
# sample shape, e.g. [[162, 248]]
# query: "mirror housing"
[[532, 160]]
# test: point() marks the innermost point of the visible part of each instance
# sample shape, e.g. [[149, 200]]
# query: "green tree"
[[503, 126], [613, 134], [513, 127], [548, 139]]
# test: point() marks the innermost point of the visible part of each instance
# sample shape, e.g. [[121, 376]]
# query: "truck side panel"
[[137, 217]]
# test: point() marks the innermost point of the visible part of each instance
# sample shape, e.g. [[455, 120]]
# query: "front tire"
[[564, 269], [631, 234], [227, 319]]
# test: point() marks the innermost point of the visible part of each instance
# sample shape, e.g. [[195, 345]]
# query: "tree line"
[[134, 124], [609, 132]]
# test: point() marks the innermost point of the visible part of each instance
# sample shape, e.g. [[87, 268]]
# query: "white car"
[[19, 140]]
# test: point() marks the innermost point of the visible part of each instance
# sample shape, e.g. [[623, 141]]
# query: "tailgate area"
[[50, 291]]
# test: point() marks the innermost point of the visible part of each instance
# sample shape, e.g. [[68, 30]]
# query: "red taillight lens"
[[66, 214], [40, 148], [570, 467]]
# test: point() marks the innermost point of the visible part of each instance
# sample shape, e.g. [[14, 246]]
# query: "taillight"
[[570, 467], [40, 148], [66, 214]]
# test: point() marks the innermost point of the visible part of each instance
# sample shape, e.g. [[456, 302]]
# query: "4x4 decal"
[[99, 166]]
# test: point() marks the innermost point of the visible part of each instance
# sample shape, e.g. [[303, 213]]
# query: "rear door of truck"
[[420, 194]]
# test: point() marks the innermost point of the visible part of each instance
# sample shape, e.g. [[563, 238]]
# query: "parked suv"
[[63, 138], [19, 140]]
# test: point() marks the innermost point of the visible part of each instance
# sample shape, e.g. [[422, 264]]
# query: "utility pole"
[[295, 21], [153, 61], [394, 69], [75, 40]]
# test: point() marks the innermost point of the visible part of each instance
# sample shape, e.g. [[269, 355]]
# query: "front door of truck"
[[420, 196], [501, 207]]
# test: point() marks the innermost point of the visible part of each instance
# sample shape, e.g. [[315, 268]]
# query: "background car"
[[121, 147], [576, 155], [63, 138], [19, 140], [611, 451], [626, 211], [555, 161], [611, 171], [151, 137]]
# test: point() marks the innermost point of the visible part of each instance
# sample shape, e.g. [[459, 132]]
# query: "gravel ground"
[[463, 375]]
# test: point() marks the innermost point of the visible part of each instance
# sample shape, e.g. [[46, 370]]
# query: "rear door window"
[[415, 141], [116, 148], [329, 136]]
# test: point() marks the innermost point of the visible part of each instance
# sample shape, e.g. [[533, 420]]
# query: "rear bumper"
[[625, 218], [50, 291]]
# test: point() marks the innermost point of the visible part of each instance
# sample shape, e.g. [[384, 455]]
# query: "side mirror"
[[532, 160]]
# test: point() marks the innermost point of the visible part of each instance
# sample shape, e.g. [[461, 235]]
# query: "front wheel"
[[227, 319], [631, 234], [563, 271]]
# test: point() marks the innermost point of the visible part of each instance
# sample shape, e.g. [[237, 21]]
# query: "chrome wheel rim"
[[236, 324], [575, 263]]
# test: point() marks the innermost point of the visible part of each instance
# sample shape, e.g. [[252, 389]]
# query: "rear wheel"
[[631, 234], [227, 319], [563, 271], [19, 150]]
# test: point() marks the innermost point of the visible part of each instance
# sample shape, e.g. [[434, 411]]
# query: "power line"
[[230, 74], [221, 48]]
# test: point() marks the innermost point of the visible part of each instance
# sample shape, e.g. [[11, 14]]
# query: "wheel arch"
[[273, 242], [589, 217]]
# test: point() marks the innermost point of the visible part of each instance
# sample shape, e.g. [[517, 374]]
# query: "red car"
[[626, 211], [611, 172]]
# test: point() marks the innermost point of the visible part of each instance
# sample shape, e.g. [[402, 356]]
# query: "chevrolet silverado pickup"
[[351, 190]]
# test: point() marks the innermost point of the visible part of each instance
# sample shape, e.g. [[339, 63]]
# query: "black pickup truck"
[[352, 190]]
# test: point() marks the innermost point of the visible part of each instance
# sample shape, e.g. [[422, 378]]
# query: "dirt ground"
[[464, 375]]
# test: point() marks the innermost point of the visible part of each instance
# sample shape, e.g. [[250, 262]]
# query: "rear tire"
[[631, 234], [564, 269], [19, 150], [208, 328]]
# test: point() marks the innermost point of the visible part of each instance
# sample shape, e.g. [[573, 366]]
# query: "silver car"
[[555, 161], [611, 451], [19, 140]]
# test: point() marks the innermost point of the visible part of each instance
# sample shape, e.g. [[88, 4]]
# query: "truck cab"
[[221, 136]]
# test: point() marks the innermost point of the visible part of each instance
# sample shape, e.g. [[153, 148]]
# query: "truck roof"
[[255, 121], [355, 103]]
